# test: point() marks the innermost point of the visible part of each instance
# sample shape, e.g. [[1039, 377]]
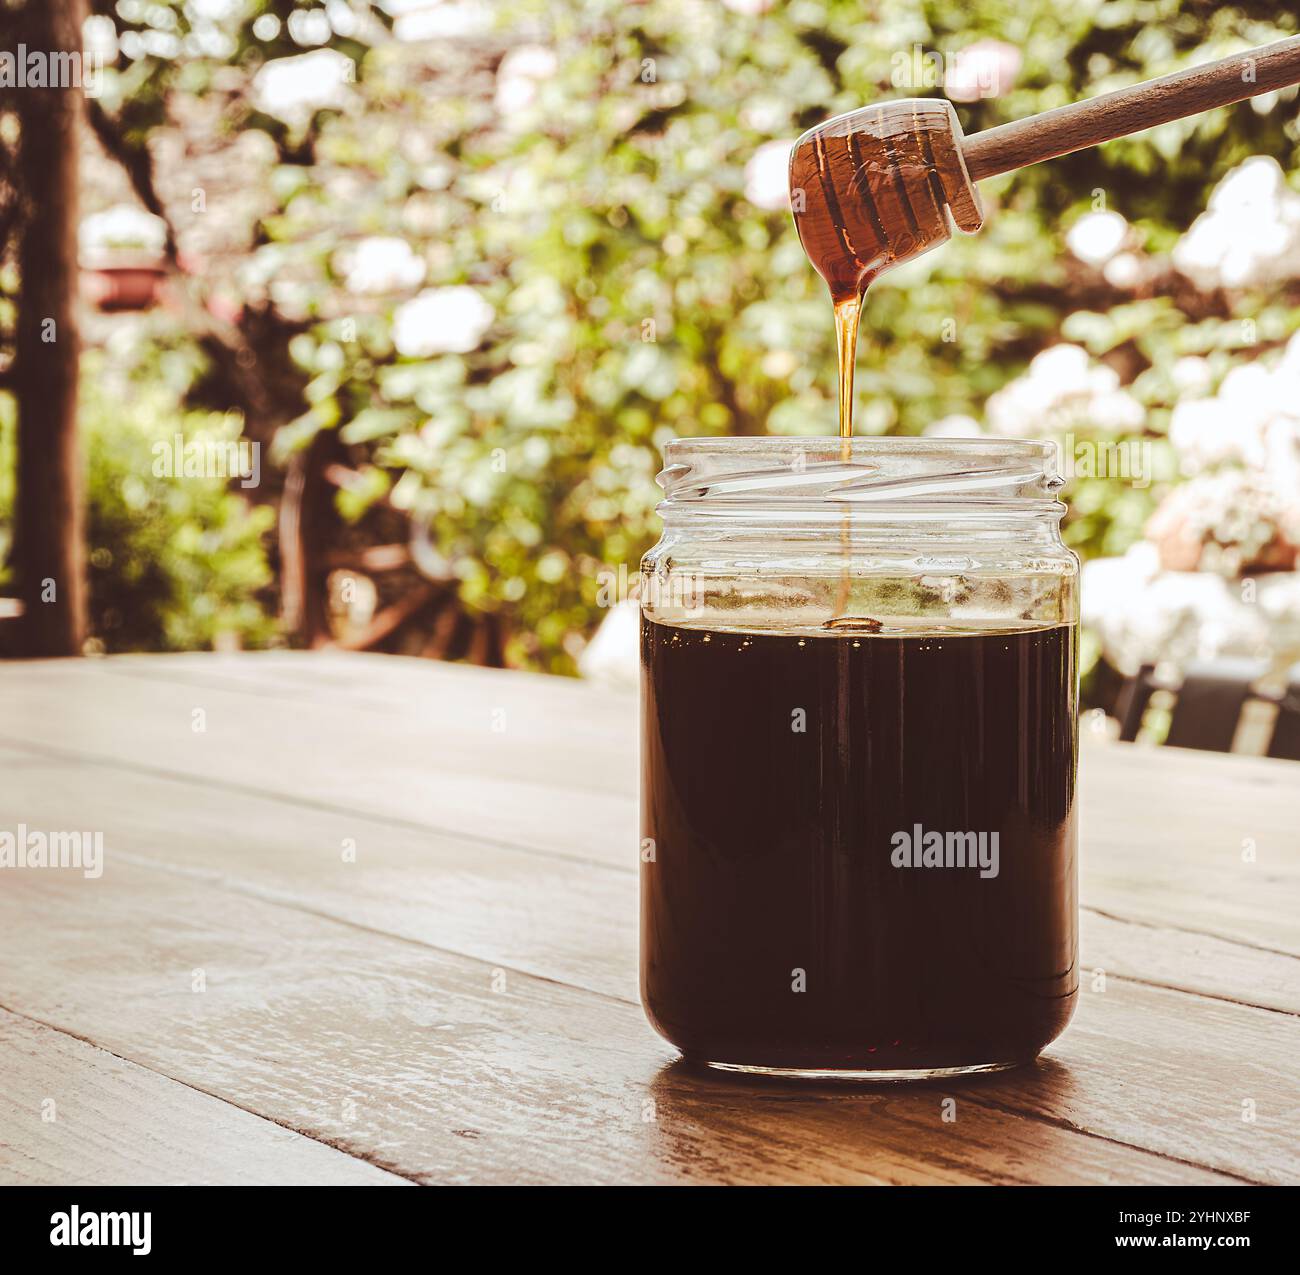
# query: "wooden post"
[[49, 520]]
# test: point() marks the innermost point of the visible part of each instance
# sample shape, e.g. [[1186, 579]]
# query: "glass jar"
[[859, 738]]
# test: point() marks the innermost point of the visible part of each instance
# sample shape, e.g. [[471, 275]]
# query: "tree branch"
[[137, 163]]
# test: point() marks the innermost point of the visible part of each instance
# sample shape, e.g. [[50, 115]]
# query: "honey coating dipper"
[[885, 183]]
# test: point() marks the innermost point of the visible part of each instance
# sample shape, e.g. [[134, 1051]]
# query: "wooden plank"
[[429, 698], [1195, 1085], [384, 683], [475, 877], [483, 900], [1165, 836], [1177, 959], [70, 1112], [1163, 830], [487, 765], [451, 1070]]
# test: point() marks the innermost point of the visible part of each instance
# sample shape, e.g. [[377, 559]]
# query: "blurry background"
[[459, 269]]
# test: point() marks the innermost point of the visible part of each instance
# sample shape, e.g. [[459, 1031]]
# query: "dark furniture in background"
[[1208, 705]]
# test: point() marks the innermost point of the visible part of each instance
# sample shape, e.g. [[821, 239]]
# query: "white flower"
[[1191, 374], [122, 226], [99, 35], [1066, 369], [749, 7], [420, 20], [1061, 389], [1228, 521], [1124, 270], [1253, 419], [956, 426], [441, 321], [1097, 236], [1143, 614], [384, 264], [986, 68], [1201, 433], [292, 88], [1249, 234], [767, 176], [310, 26], [1117, 411], [519, 74], [1255, 395]]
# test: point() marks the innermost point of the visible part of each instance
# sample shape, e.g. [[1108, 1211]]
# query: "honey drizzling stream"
[[871, 189]]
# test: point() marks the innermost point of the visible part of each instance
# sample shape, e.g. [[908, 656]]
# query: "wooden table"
[[376, 922]]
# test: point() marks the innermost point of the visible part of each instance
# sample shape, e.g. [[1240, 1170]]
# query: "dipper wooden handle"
[[1130, 110]]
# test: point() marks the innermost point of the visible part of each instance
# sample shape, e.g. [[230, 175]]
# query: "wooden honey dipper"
[[882, 184]]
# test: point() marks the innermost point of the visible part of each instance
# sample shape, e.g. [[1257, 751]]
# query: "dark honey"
[[783, 778]]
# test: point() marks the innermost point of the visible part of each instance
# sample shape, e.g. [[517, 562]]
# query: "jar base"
[[859, 1076]]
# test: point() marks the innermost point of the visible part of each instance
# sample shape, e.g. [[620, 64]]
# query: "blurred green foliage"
[[174, 563], [640, 294], [616, 200]]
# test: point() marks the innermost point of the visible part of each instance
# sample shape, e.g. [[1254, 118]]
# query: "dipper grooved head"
[[879, 186]]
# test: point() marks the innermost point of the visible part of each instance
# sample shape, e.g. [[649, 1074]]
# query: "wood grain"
[[70, 1112], [459, 1002], [447, 761], [483, 900], [1130, 110], [453, 1070], [561, 776]]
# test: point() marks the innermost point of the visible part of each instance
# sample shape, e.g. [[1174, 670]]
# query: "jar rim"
[[858, 442], [863, 475]]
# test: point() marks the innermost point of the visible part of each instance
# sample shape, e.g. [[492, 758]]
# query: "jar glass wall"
[[858, 756]]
